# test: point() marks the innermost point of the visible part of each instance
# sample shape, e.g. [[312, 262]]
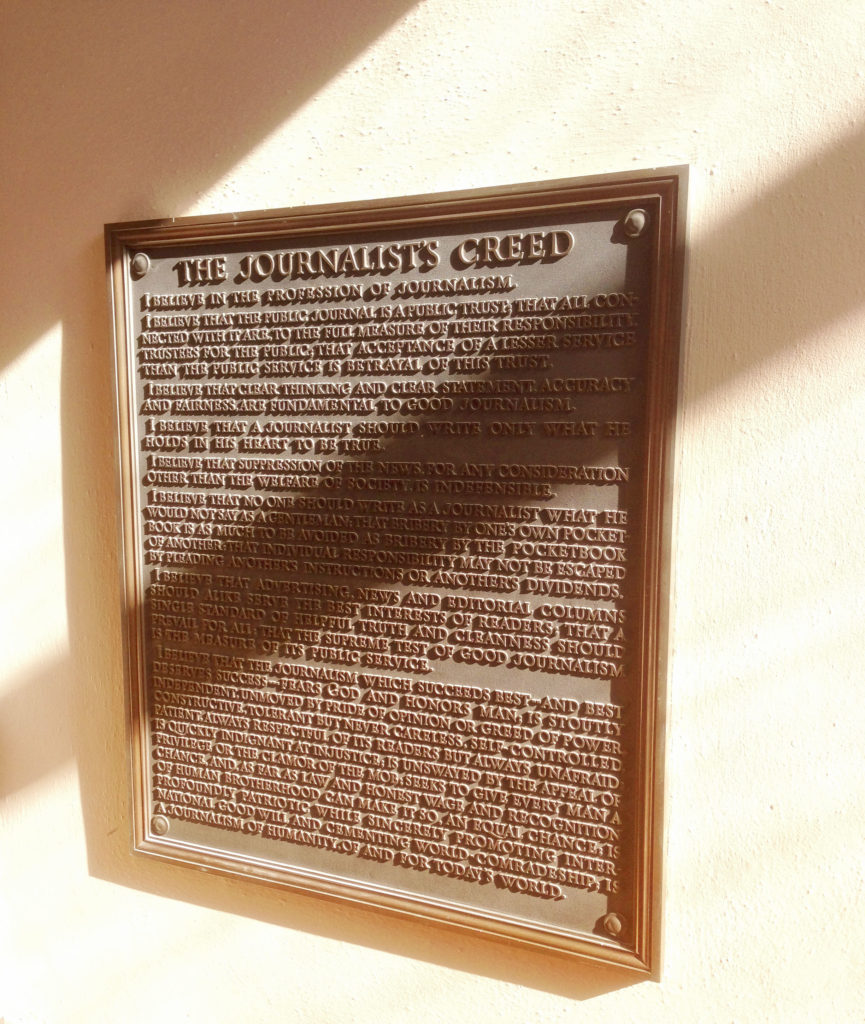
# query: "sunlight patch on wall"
[[32, 600]]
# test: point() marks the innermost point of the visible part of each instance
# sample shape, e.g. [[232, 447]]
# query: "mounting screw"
[[635, 223], [159, 824], [613, 925], [140, 264]]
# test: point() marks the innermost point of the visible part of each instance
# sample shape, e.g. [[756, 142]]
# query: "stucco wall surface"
[[115, 111]]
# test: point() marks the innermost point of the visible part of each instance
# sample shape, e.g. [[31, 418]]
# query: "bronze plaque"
[[394, 484]]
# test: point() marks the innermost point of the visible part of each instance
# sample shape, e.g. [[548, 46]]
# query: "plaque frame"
[[661, 192]]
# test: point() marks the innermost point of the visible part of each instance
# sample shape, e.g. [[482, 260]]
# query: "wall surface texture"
[[117, 111]]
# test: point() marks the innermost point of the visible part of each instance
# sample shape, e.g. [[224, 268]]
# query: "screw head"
[[635, 223], [613, 925], [140, 264], [159, 824]]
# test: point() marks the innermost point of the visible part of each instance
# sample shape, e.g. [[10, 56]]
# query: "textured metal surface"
[[393, 482]]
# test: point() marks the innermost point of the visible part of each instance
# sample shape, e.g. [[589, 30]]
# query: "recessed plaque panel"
[[394, 502]]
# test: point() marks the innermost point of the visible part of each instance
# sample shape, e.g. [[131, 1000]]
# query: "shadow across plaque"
[[395, 483]]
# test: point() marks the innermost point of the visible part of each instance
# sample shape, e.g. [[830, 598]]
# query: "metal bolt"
[[140, 264], [613, 925], [159, 824], [635, 223]]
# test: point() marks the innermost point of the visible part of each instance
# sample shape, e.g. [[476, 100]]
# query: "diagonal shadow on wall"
[[161, 100], [780, 270]]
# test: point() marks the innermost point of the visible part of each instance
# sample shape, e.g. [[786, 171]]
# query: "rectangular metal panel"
[[395, 480]]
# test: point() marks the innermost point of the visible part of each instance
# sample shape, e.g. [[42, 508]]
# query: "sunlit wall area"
[[126, 111]]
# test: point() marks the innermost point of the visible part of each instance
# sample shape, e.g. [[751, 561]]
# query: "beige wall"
[[117, 111]]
